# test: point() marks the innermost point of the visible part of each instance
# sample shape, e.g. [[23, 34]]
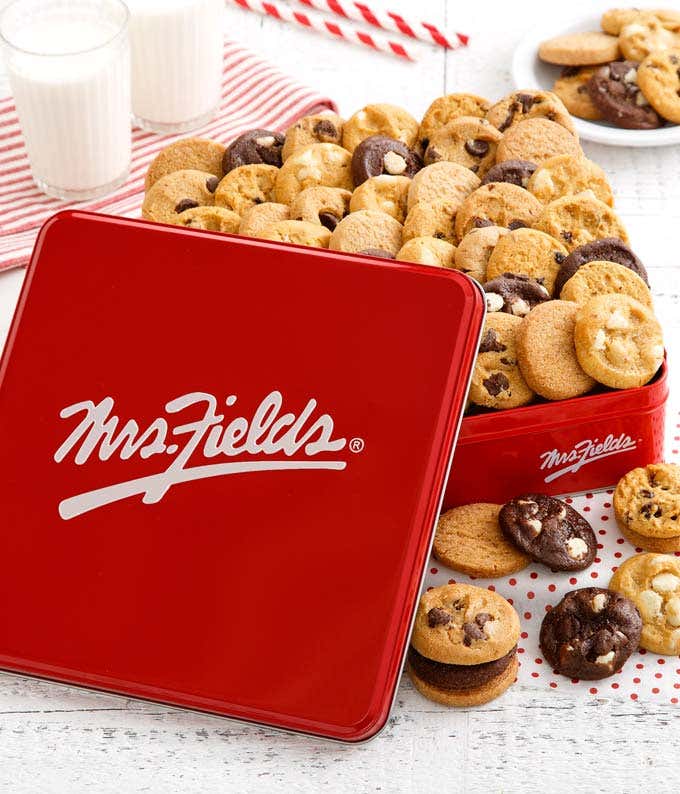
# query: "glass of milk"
[[177, 54], [69, 68]]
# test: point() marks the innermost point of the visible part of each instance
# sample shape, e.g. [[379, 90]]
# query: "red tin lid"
[[221, 464]]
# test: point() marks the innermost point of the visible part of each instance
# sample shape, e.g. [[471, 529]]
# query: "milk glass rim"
[[118, 34]]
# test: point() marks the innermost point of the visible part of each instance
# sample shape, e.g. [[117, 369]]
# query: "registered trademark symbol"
[[356, 445]]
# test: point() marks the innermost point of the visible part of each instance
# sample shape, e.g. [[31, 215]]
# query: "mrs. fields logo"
[[271, 435], [586, 451]]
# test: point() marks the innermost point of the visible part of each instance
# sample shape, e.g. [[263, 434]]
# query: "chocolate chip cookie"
[[254, 147], [528, 104], [615, 92], [215, 219], [564, 175], [652, 583], [580, 219], [659, 80], [442, 182], [536, 140], [498, 204], [384, 193], [297, 232], [324, 205], [572, 88], [516, 172], [475, 249], [427, 251], [196, 154], [379, 154], [447, 108], [246, 186], [528, 252], [467, 140], [176, 192], [647, 501], [431, 220], [609, 249], [319, 128], [514, 294], [380, 119], [591, 633], [549, 531]]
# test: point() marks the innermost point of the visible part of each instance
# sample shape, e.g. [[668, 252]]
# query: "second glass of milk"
[[69, 68], [177, 54]]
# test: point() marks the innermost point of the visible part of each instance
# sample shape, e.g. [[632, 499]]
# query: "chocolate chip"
[[646, 494], [673, 59], [481, 618], [560, 257], [438, 617], [325, 131], [516, 225], [570, 71], [568, 236], [211, 183], [328, 220], [479, 223], [186, 204], [425, 142], [550, 115], [471, 632], [496, 383], [490, 343], [477, 147], [526, 101]]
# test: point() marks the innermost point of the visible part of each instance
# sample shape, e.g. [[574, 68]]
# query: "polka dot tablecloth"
[[533, 591]]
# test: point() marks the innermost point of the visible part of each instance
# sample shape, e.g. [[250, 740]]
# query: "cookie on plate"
[[647, 501], [615, 19], [497, 380], [475, 249], [176, 192], [645, 35], [246, 186], [464, 645], [609, 249], [319, 164], [498, 204], [579, 219], [367, 230], [384, 193], [447, 108], [536, 140], [469, 539], [324, 205], [615, 92], [380, 119], [604, 278], [467, 140], [514, 294], [528, 252], [659, 80], [580, 49], [319, 128], [564, 175], [549, 531], [197, 154], [618, 341], [528, 104], [379, 154], [591, 633], [572, 88], [254, 147], [427, 251], [652, 582], [547, 355]]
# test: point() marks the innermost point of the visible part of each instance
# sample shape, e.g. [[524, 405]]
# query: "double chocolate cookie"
[[254, 147], [614, 91], [549, 531], [514, 294], [378, 155], [516, 172], [591, 633]]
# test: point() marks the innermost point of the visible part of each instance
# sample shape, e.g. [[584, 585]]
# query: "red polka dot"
[[553, 685], [620, 541], [533, 575], [530, 594], [492, 587], [524, 635], [534, 675], [674, 700], [573, 580], [604, 518], [638, 549], [520, 650], [434, 570], [512, 582], [548, 607], [640, 666], [661, 661], [575, 680], [607, 504], [597, 559], [618, 555], [510, 601], [655, 690], [636, 680], [642, 652], [676, 686], [551, 588], [615, 685], [569, 500], [594, 575], [633, 696], [615, 568], [527, 616], [601, 531], [452, 581], [538, 661], [586, 509], [658, 675], [589, 496], [600, 546], [593, 690]]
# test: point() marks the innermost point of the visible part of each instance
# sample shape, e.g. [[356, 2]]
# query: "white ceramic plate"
[[529, 71]]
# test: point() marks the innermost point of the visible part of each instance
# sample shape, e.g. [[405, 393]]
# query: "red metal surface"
[[561, 447], [220, 563]]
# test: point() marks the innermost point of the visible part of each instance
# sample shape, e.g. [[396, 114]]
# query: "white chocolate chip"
[[599, 602], [304, 174], [535, 525], [520, 308], [606, 658], [577, 548], [673, 611], [665, 583], [494, 302], [307, 157], [543, 181], [635, 28], [649, 603], [600, 339], [562, 514], [618, 320], [394, 163], [265, 140], [657, 353], [543, 290], [641, 100], [630, 77]]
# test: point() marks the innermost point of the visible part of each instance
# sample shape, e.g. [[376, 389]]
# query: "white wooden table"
[[55, 739]]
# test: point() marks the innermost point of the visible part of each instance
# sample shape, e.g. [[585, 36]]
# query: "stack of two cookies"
[[464, 645]]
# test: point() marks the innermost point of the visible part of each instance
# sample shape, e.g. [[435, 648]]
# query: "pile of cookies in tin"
[[627, 74], [464, 644], [500, 191]]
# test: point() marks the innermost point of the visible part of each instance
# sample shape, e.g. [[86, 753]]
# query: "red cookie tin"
[[221, 465]]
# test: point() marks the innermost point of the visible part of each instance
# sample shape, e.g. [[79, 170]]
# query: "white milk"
[[177, 48], [74, 101]]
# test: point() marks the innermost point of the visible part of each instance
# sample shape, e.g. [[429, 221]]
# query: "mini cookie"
[[366, 230], [647, 501], [514, 294], [527, 104], [572, 88], [245, 186], [379, 154], [616, 94], [379, 253], [590, 634], [659, 80], [319, 128], [546, 352], [614, 20], [537, 140], [255, 147], [498, 204], [468, 141], [497, 381], [298, 232], [530, 253], [216, 219], [197, 154], [427, 251], [603, 278], [258, 217], [618, 341], [565, 175], [452, 682], [381, 119], [580, 219], [320, 164], [324, 205], [383, 193], [659, 545], [516, 172], [580, 49], [442, 182], [549, 531], [609, 249], [469, 539], [430, 220], [446, 109], [646, 35], [177, 192], [652, 582], [475, 249], [464, 625]]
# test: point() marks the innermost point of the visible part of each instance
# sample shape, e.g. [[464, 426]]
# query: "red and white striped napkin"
[[254, 94]]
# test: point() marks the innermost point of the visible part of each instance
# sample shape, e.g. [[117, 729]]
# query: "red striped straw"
[[325, 27], [388, 20]]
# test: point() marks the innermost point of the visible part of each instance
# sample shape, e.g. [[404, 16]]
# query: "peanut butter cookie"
[[367, 230], [215, 219], [498, 204], [537, 140], [475, 249], [430, 220], [258, 217], [604, 278], [580, 49], [646, 35], [572, 88], [196, 154], [659, 80], [427, 251], [298, 232], [580, 219], [442, 182]]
